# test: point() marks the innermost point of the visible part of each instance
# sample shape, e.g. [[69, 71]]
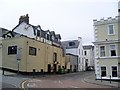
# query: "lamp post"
[[19, 57]]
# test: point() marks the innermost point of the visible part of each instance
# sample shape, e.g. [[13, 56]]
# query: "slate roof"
[[43, 32], [70, 44], [3, 31]]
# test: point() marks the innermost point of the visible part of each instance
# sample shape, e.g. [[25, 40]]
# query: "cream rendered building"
[[28, 48], [107, 51], [2, 31], [31, 55]]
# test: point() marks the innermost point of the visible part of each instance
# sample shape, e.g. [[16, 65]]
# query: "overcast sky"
[[70, 18]]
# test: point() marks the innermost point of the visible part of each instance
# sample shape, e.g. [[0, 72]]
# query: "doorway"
[[49, 68]]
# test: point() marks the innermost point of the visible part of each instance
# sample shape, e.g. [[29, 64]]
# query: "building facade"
[[89, 56], [31, 55], [28, 48], [36, 32], [107, 51], [75, 47], [2, 31], [71, 62]]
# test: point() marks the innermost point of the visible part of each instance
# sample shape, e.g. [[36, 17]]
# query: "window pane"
[[71, 43], [32, 51], [113, 53], [114, 71], [103, 71], [102, 51], [112, 47], [114, 68], [12, 50], [113, 50], [111, 29], [102, 47], [38, 33]]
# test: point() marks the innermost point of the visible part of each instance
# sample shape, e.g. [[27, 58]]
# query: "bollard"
[[42, 72], [101, 78], [3, 71], [110, 78], [33, 72], [95, 77]]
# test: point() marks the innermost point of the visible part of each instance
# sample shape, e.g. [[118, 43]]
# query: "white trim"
[[113, 30], [108, 57], [111, 71], [100, 52], [106, 42], [110, 50], [106, 70]]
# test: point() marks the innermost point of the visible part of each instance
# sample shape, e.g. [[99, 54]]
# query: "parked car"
[[90, 68]]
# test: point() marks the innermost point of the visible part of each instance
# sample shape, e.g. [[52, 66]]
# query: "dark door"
[[49, 68], [55, 68]]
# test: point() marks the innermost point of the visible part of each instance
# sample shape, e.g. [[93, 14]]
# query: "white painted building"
[[89, 55], [75, 47], [35, 32]]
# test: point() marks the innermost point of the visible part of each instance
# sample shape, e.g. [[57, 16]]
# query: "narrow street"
[[73, 80], [70, 80]]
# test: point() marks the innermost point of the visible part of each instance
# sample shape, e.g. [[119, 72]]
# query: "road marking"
[[24, 85], [31, 85], [74, 87], [60, 82]]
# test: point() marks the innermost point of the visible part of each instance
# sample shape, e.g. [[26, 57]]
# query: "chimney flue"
[[24, 18]]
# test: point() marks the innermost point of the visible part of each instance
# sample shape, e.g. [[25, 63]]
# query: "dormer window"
[[71, 43], [47, 36], [111, 30], [38, 33]]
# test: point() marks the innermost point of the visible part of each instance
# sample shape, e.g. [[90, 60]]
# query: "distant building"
[[71, 62], [75, 47], [89, 55], [107, 51]]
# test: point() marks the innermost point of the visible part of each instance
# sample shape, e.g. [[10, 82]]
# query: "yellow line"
[[24, 85]]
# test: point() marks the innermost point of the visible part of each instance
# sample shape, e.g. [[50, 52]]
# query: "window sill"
[[111, 34], [109, 57]]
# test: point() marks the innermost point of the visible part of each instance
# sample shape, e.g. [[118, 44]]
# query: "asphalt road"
[[71, 80], [74, 80]]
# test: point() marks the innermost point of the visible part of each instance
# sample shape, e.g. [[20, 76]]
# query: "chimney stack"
[[24, 18]]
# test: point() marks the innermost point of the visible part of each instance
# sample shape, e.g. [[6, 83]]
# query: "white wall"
[[25, 29], [72, 51], [90, 57], [119, 7]]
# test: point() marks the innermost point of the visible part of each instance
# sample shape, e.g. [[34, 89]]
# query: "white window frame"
[[111, 70], [101, 72], [100, 51], [110, 50], [113, 30]]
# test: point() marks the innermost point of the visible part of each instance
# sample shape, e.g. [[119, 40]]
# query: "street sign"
[[19, 54]]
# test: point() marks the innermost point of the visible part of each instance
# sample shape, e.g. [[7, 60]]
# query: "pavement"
[[12, 80], [91, 79]]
